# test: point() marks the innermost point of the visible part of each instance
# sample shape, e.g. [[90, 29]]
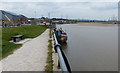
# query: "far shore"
[[96, 24]]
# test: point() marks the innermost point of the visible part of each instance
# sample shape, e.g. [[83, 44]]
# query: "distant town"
[[12, 19]]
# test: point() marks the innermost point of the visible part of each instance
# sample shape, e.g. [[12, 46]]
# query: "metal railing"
[[62, 59]]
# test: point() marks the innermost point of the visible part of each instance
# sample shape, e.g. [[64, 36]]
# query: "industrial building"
[[11, 19]]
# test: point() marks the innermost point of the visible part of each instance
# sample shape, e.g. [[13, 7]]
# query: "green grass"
[[49, 66], [30, 31]]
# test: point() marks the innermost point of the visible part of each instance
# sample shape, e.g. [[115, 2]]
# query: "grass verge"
[[49, 66], [29, 31]]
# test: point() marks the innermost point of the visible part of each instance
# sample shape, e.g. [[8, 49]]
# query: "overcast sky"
[[59, 0], [82, 10]]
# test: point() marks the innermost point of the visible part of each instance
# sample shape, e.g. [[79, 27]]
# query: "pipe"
[[61, 60]]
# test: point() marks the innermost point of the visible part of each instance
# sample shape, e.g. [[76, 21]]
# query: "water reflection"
[[64, 45]]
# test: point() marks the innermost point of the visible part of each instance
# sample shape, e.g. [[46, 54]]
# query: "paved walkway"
[[31, 56]]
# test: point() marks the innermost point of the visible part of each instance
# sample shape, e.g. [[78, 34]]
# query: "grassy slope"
[[28, 32], [49, 66]]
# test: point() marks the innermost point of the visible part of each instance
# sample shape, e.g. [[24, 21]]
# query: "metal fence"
[[62, 59]]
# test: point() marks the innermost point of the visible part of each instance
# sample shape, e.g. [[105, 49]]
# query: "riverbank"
[[29, 31], [31, 56]]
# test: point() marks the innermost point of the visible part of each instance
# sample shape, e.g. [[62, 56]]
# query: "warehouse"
[[11, 19]]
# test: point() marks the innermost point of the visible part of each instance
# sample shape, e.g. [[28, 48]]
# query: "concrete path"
[[31, 56]]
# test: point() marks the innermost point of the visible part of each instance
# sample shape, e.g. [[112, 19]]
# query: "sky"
[[100, 10], [59, 0]]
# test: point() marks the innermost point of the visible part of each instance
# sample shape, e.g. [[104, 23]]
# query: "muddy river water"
[[91, 47]]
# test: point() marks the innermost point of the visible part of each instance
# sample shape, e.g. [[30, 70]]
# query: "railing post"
[[58, 64]]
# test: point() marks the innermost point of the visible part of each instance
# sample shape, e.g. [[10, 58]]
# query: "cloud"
[[104, 5], [86, 10], [59, 0]]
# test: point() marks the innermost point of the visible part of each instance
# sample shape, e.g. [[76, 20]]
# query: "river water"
[[91, 47]]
